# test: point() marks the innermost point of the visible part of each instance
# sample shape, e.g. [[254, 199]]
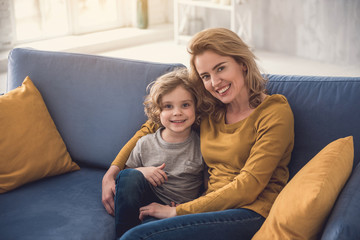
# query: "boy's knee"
[[130, 177], [131, 187]]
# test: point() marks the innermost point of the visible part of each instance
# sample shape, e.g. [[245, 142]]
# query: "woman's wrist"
[[112, 172], [173, 212]]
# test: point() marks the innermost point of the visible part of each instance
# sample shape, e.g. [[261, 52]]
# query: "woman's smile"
[[222, 90]]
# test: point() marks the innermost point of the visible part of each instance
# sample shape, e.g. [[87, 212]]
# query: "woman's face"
[[222, 76]]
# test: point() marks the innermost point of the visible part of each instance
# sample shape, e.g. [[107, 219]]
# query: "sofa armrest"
[[343, 223]]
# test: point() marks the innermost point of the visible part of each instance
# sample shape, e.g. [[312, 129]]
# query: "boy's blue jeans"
[[132, 192]]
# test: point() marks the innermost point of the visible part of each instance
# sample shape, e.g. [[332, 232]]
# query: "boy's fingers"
[[162, 166], [157, 180], [152, 182], [164, 175], [160, 176]]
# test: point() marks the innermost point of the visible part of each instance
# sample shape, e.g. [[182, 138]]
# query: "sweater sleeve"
[[268, 156], [123, 155]]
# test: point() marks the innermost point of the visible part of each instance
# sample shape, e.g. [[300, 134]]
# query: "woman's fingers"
[[143, 214], [157, 210], [108, 202], [108, 193], [146, 211]]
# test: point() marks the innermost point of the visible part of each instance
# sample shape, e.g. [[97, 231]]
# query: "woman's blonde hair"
[[225, 43], [165, 84]]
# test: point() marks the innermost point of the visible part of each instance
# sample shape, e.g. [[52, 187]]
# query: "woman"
[[246, 141]]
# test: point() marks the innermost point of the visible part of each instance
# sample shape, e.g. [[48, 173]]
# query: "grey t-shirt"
[[183, 164]]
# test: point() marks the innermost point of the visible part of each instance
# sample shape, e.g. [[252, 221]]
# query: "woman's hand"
[[155, 175], [157, 210], [108, 189]]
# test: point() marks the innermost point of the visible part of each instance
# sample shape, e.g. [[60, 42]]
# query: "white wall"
[[324, 30], [6, 25]]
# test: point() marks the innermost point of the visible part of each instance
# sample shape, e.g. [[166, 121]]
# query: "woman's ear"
[[244, 67]]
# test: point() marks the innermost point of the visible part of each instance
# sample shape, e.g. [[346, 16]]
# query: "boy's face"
[[178, 111]]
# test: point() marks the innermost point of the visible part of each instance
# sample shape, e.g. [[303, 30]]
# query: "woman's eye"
[[205, 77], [221, 68]]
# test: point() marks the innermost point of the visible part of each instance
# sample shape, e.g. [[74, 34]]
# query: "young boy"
[[165, 167]]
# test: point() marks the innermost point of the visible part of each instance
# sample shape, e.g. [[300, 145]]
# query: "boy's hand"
[[155, 175]]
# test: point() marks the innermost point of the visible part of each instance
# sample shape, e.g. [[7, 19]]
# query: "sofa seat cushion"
[[67, 207]]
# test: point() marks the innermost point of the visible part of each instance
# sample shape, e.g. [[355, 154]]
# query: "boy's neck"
[[175, 137]]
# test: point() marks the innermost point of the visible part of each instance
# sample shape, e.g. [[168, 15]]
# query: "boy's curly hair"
[[165, 84]]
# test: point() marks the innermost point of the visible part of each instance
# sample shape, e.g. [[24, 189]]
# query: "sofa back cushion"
[[95, 102], [325, 109]]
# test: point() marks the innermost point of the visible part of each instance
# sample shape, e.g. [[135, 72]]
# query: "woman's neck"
[[234, 114], [239, 110]]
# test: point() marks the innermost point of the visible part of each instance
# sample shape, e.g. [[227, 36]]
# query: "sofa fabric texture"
[[96, 105]]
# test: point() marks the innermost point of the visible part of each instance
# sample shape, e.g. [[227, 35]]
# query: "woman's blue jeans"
[[239, 224], [132, 192]]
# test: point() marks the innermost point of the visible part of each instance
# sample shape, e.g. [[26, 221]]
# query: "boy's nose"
[[177, 111]]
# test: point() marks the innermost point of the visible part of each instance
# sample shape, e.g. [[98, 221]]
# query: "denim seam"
[[197, 224]]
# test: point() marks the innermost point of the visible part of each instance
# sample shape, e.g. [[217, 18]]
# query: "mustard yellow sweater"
[[247, 160]]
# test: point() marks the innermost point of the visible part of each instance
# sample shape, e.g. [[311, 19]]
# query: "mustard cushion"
[[30, 145], [301, 209]]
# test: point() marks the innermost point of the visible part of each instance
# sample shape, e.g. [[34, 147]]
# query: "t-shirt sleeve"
[[274, 139], [123, 155], [134, 159]]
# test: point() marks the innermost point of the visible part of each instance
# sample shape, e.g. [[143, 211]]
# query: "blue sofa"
[[96, 104]]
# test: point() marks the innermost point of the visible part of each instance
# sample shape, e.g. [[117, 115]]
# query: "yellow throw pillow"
[[301, 209], [30, 145]]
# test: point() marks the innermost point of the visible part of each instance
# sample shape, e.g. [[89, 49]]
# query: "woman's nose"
[[215, 81]]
